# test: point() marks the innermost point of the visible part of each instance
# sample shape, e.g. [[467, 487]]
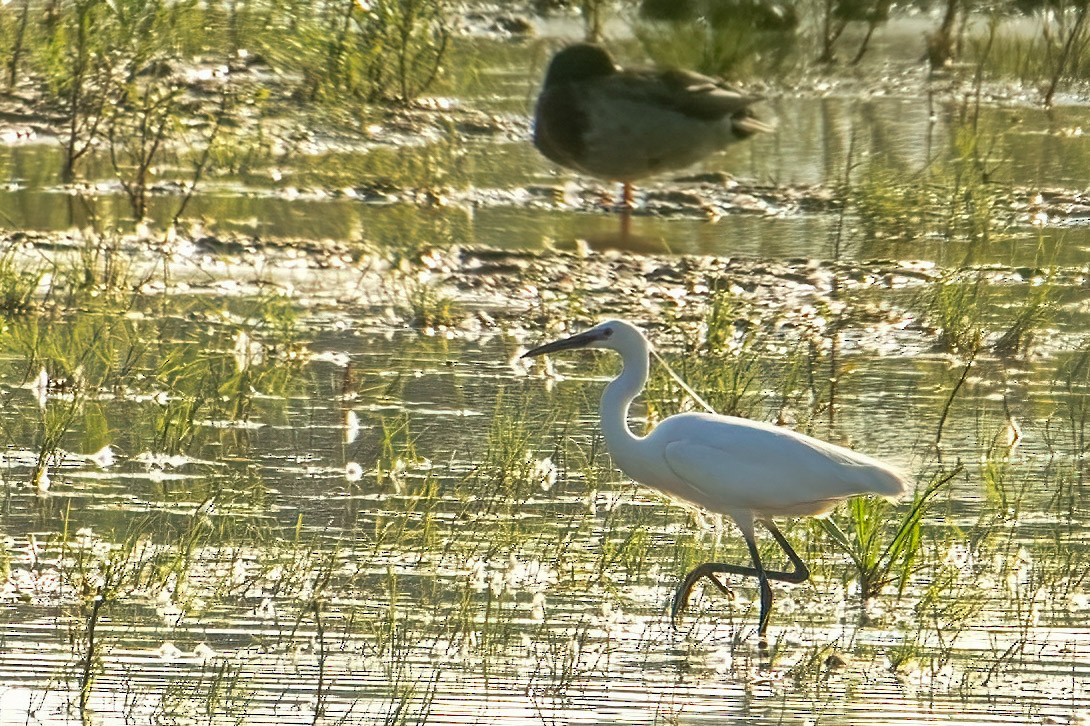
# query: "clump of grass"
[[734, 40], [1055, 54], [71, 360], [388, 50], [509, 461], [219, 377], [952, 198], [883, 548], [890, 209], [1031, 314], [18, 284], [398, 452], [733, 362], [105, 570], [430, 308], [970, 313], [94, 56], [955, 309]]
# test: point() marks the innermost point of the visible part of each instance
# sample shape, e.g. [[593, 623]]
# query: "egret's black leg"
[[766, 589], [799, 573]]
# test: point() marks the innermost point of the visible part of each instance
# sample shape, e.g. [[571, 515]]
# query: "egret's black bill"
[[579, 340]]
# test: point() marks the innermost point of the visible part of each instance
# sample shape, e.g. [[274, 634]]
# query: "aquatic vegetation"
[[955, 308], [956, 201], [734, 40], [430, 308], [93, 56], [882, 548], [483, 563], [388, 50], [740, 367], [238, 485], [18, 283], [1054, 54]]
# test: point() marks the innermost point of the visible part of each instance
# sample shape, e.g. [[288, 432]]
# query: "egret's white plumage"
[[749, 470]]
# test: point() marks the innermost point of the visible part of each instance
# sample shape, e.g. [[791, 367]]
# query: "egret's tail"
[[891, 483]]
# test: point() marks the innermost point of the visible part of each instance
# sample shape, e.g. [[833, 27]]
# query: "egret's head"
[[618, 335]]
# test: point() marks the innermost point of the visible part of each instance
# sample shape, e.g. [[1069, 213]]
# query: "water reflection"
[[367, 193], [449, 580], [356, 521]]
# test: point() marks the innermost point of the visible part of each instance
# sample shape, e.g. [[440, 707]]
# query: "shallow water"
[[495, 191], [429, 600], [329, 514]]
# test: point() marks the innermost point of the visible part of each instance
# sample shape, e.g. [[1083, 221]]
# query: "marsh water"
[[299, 479]]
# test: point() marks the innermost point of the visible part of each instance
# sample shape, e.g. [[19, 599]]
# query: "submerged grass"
[[535, 554], [473, 554], [883, 548], [463, 550]]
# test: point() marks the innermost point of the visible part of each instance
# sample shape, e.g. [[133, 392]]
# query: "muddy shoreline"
[[875, 307]]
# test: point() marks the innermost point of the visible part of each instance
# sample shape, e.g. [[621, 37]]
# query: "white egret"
[[748, 470]]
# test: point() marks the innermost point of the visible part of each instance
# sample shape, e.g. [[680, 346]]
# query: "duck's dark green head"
[[578, 63]]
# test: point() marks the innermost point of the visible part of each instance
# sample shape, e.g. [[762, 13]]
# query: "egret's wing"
[[772, 473]]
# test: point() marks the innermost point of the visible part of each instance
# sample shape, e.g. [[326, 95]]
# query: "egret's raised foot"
[[681, 598]]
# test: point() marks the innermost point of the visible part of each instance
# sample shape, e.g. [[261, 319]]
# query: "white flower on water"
[[266, 610], [84, 537], [396, 473], [478, 574], [497, 582], [351, 426], [544, 473], [274, 575], [248, 352], [103, 458], [353, 471], [515, 575], [238, 572], [537, 608], [169, 652], [40, 388], [203, 652], [170, 613], [960, 557], [1020, 573]]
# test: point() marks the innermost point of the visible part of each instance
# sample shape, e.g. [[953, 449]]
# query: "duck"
[[623, 125]]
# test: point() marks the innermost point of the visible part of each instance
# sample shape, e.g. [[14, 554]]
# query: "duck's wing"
[[705, 98]]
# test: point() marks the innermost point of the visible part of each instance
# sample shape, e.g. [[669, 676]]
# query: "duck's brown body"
[[624, 125]]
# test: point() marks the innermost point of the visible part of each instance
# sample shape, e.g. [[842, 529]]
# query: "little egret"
[[748, 470], [624, 125]]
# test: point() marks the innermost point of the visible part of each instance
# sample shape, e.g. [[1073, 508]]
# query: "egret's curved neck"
[[616, 399]]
